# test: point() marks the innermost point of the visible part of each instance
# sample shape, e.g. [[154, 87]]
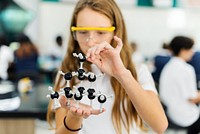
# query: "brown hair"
[[122, 103], [179, 43], [26, 47]]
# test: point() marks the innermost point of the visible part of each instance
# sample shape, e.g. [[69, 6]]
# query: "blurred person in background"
[[6, 58], [178, 90], [57, 51], [26, 59], [137, 57], [55, 57]]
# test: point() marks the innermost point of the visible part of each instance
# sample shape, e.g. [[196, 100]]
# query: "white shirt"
[[6, 57], [177, 85], [102, 123], [137, 58]]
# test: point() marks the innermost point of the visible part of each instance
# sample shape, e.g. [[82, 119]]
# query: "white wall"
[[32, 27], [55, 19], [148, 27]]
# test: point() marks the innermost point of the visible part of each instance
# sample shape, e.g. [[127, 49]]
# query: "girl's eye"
[[82, 32], [101, 32]]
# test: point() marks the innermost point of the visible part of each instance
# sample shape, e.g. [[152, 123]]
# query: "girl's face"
[[89, 38], [188, 54]]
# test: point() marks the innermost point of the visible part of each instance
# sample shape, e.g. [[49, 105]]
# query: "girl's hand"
[[106, 57], [82, 110]]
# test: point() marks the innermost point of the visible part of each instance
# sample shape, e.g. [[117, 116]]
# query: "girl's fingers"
[[85, 111], [95, 50], [80, 112], [73, 109], [62, 101], [103, 46], [119, 43], [86, 114], [97, 112], [93, 55]]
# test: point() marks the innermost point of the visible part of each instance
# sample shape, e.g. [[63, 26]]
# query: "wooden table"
[[22, 121]]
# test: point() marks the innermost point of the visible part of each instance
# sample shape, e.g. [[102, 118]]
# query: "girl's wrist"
[[122, 73], [73, 122], [66, 126]]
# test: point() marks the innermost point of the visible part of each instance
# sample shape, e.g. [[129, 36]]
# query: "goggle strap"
[[109, 29]]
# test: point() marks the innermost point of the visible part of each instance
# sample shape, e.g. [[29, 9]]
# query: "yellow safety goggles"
[[109, 29]]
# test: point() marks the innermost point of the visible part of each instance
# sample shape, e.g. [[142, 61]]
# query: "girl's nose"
[[90, 41]]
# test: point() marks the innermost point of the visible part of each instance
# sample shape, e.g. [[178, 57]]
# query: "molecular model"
[[79, 92]]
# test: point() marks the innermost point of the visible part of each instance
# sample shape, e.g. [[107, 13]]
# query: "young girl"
[[98, 30], [182, 105]]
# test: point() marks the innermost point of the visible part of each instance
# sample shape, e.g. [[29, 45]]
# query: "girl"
[[98, 30]]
